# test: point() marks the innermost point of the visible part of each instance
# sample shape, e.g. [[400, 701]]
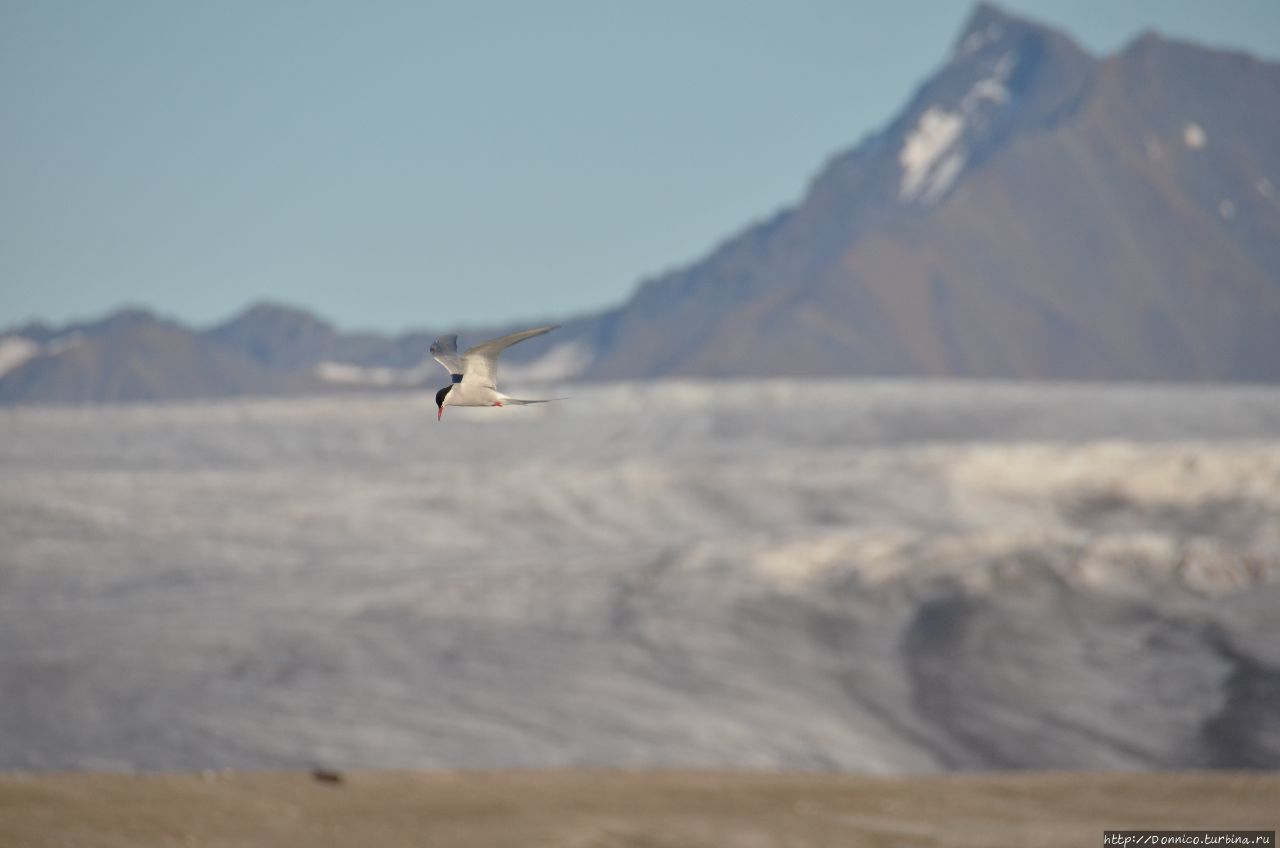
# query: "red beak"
[[439, 412]]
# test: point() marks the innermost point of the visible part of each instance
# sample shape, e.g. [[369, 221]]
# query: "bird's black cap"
[[440, 395]]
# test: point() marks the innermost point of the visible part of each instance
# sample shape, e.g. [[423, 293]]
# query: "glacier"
[[865, 576]]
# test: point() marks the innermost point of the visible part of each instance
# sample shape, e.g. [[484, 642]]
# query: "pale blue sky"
[[407, 164]]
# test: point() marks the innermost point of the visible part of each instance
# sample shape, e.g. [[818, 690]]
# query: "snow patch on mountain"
[[924, 156], [933, 154], [943, 177], [15, 350], [978, 39], [1194, 136], [992, 88]]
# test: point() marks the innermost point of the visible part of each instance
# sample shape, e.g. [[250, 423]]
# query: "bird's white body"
[[475, 373], [463, 395]]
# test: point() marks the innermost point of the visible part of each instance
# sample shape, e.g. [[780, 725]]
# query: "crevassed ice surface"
[[864, 576]]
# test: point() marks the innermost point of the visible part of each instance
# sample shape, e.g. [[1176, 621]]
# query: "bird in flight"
[[475, 373]]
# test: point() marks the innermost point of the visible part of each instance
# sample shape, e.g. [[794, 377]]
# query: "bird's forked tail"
[[519, 402]]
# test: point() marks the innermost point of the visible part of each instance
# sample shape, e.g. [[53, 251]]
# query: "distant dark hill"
[[1032, 213], [285, 337], [133, 357], [277, 336]]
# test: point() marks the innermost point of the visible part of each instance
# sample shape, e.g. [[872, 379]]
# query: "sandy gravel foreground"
[[611, 808]]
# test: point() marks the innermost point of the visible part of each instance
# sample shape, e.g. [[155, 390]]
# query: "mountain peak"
[[275, 334], [1006, 75], [128, 316], [274, 310], [988, 24]]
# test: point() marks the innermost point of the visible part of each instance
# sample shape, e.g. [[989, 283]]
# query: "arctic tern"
[[475, 373]]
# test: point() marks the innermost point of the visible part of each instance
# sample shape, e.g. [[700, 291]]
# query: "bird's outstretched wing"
[[480, 363], [445, 351]]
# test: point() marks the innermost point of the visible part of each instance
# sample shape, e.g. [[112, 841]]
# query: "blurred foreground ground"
[[609, 808]]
